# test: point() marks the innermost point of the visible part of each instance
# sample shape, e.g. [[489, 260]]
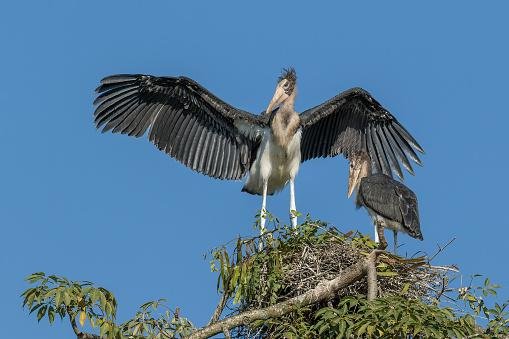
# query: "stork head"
[[359, 168], [286, 87]]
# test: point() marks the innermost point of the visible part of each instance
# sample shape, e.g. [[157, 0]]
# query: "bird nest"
[[285, 263]]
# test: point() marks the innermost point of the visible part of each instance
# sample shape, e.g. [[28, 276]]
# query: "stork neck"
[[289, 104], [284, 125]]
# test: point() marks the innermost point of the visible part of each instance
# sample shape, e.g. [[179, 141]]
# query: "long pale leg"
[[395, 241], [264, 209], [293, 208], [377, 239]]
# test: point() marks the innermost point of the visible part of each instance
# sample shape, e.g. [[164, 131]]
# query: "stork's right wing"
[[352, 122], [185, 120]]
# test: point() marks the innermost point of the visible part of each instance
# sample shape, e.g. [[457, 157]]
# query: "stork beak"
[[279, 96], [353, 178]]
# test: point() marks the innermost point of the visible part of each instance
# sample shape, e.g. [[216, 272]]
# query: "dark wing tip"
[[111, 79], [115, 80], [408, 137]]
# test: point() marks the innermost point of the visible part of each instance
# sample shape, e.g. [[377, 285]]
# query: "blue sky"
[[114, 210]]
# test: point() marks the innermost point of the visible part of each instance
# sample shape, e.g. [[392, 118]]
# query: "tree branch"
[[73, 323], [323, 291], [79, 334], [219, 308], [371, 276]]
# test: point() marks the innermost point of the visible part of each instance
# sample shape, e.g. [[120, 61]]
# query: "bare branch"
[[441, 249], [371, 277], [219, 308]]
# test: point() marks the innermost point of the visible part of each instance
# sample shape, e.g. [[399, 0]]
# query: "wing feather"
[[375, 162], [353, 122], [394, 163], [185, 120], [399, 152], [406, 144], [382, 158]]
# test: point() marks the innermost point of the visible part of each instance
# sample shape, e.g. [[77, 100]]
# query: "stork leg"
[[395, 240], [293, 208], [380, 231], [263, 211], [263, 218], [377, 239]]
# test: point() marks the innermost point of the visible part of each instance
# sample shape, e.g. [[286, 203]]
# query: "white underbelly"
[[387, 223], [274, 164]]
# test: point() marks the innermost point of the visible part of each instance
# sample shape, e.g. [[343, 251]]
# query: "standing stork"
[[389, 203], [206, 134]]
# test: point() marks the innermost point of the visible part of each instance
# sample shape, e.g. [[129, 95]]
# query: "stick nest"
[[294, 261]]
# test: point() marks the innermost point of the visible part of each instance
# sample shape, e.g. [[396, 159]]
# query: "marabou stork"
[[206, 134], [389, 203]]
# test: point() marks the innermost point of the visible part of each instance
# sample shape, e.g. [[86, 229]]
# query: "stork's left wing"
[[354, 121]]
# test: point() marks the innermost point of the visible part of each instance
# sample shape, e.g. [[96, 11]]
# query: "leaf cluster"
[[82, 301], [390, 317], [286, 262]]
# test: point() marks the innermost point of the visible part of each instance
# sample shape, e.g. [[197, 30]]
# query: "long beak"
[[353, 179], [277, 99]]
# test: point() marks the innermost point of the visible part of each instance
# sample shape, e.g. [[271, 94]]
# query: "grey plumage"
[[192, 125], [391, 200], [354, 122], [185, 120]]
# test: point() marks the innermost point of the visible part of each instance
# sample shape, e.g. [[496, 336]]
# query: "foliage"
[[390, 317], [415, 299], [83, 301], [412, 291], [76, 300]]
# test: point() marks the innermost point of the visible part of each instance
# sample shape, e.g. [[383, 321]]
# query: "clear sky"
[[116, 211]]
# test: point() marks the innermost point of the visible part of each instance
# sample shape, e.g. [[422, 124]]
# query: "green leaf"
[[58, 298], [67, 298], [362, 329], [405, 288], [35, 277], [51, 314], [34, 308], [42, 312], [387, 274], [83, 317]]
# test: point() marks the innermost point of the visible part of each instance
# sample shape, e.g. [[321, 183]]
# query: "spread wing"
[[354, 121], [185, 121]]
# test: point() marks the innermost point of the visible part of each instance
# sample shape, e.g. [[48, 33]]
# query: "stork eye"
[[286, 85]]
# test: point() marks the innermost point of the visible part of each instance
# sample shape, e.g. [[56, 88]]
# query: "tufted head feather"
[[290, 75]]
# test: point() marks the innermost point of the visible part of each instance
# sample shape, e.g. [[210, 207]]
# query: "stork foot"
[[293, 218], [382, 245]]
